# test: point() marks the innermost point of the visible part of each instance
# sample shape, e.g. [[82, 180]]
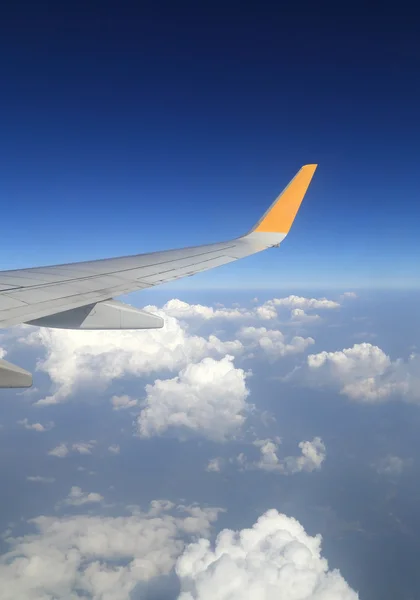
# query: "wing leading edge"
[[40, 295]]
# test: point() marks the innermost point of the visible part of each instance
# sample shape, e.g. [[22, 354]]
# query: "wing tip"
[[281, 214]]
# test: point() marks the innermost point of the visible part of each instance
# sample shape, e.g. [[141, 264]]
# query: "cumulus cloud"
[[182, 310], [64, 449], [363, 372], [312, 456], [298, 315], [306, 303], [123, 402], [206, 397], [40, 479], [265, 311], [275, 558], [292, 302], [84, 447], [215, 465], [36, 426], [103, 558], [59, 451], [273, 342], [94, 359], [348, 295], [77, 497]]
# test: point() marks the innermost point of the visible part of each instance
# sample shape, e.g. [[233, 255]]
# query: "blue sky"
[[128, 129]]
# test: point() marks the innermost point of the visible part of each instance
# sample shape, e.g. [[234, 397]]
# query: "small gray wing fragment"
[[12, 376]]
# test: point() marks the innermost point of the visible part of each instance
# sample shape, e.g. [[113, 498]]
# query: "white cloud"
[[363, 372], [103, 558], [114, 449], [207, 397], [266, 311], [306, 303], [273, 342], [312, 456], [77, 497], [215, 465], [64, 449], [292, 302], [392, 465], [36, 426], [59, 451], [123, 402], [298, 315], [275, 558], [269, 461], [348, 295], [40, 479], [93, 359], [84, 447], [182, 310]]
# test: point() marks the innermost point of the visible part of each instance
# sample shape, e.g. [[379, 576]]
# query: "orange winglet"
[[281, 214]]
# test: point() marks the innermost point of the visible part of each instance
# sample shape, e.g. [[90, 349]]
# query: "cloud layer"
[[89, 361], [265, 311], [106, 558], [93, 359], [102, 558]]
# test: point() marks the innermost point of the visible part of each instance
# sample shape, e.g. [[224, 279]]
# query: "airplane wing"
[[80, 295]]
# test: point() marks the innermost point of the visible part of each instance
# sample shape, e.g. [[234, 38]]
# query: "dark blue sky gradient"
[[130, 127]]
